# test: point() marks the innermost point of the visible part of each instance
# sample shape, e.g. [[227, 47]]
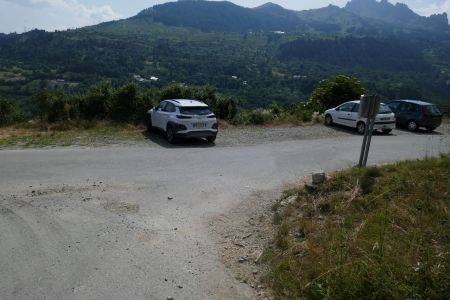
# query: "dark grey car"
[[413, 114]]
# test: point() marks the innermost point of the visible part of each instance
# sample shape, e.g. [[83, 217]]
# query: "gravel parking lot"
[[262, 135]]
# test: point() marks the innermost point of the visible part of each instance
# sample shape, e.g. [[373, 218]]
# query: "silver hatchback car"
[[347, 114]]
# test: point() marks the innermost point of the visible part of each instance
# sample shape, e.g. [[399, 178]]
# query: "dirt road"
[[134, 222]]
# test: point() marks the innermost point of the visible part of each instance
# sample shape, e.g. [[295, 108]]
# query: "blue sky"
[[23, 15]]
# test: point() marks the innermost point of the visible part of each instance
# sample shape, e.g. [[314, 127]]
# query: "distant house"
[[61, 83], [139, 78]]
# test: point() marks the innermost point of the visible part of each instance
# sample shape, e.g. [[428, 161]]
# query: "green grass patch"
[[376, 233]]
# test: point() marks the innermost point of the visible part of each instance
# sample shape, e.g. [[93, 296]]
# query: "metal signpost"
[[368, 108]]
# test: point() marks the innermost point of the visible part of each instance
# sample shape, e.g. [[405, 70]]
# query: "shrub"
[[9, 113], [332, 92], [125, 103], [97, 102], [225, 107]]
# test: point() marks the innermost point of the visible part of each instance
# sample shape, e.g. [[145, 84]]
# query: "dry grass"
[[68, 133], [381, 233]]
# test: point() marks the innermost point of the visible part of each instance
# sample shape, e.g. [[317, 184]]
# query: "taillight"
[[183, 117], [216, 126]]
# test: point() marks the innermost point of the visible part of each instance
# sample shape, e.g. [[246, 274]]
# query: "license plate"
[[199, 125]]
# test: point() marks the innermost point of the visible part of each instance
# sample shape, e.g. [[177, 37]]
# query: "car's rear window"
[[432, 110], [384, 109], [200, 111]]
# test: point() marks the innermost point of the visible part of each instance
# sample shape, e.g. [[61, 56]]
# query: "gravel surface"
[[247, 136], [260, 135], [227, 137]]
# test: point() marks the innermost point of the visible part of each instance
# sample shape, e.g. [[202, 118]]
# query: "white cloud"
[[68, 13], [435, 8]]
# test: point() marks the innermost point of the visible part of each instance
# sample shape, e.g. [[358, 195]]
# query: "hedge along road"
[[132, 222]]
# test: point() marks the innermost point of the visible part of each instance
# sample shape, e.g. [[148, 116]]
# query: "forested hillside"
[[257, 55]]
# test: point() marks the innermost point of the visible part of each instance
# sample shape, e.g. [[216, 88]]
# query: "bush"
[[125, 103], [97, 102], [54, 106], [332, 92], [9, 113], [253, 117], [224, 107]]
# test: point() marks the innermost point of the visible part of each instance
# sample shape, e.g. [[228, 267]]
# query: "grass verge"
[[67, 134], [379, 233]]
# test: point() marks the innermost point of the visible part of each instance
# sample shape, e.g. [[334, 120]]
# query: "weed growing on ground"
[[378, 233]]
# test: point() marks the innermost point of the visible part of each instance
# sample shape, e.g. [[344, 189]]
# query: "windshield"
[[200, 111], [432, 110], [384, 109]]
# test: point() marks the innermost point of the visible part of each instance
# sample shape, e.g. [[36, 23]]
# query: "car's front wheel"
[[361, 127], [171, 137], [412, 126], [149, 123], [328, 120]]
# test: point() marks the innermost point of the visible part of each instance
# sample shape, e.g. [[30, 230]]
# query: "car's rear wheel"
[[171, 137], [412, 126], [361, 127], [211, 139], [387, 131], [429, 128], [328, 120], [149, 123]]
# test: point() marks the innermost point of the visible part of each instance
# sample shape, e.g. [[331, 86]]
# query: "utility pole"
[[368, 108]]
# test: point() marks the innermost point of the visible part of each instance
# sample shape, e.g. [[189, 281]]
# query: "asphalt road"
[[132, 222]]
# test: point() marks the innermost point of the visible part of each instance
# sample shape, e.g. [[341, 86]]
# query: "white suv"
[[183, 118]]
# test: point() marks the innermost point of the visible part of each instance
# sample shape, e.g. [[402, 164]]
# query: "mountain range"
[[226, 16], [261, 54]]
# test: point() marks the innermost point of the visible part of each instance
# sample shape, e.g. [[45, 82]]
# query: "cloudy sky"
[[24, 15]]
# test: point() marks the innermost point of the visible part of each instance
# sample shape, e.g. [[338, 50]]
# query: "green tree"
[[225, 107], [61, 107], [125, 103], [43, 101], [9, 112], [97, 102], [53, 106], [332, 92]]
